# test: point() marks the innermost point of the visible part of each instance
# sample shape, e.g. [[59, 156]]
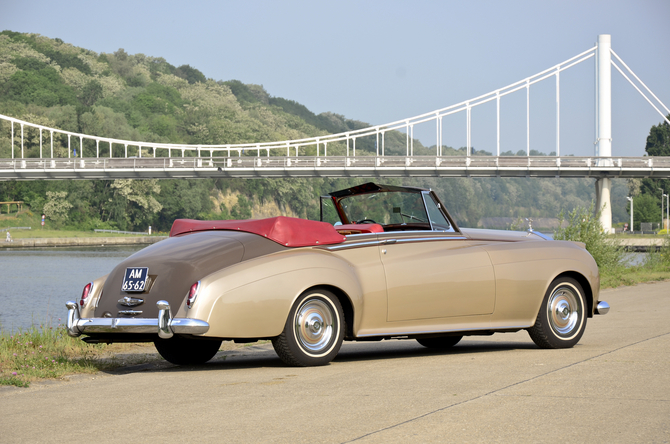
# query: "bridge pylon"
[[603, 143]]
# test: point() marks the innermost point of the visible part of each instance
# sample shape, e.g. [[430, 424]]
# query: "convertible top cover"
[[286, 231]]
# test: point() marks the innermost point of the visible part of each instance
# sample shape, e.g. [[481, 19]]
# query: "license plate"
[[135, 279]]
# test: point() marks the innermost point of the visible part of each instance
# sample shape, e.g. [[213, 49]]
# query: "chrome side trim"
[[351, 245], [427, 239], [391, 241], [456, 330], [77, 326], [602, 308]]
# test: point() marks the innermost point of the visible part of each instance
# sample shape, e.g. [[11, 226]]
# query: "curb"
[[81, 241]]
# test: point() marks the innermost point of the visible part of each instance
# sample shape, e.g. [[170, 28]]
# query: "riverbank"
[[37, 242]]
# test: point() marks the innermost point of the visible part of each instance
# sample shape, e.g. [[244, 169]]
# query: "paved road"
[[612, 387]]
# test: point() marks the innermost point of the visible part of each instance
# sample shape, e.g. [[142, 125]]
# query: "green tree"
[[134, 203], [242, 210], [646, 208], [658, 141], [38, 83], [191, 75], [183, 199], [90, 93], [56, 208], [658, 144]]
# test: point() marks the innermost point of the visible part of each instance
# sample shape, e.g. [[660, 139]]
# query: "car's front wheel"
[[313, 332], [184, 351], [562, 318]]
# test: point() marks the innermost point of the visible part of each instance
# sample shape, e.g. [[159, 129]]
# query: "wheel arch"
[[586, 287]]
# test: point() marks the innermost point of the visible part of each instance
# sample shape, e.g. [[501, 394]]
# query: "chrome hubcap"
[[314, 325], [564, 311]]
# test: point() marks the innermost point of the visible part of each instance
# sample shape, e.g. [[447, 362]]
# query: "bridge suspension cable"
[[658, 101]]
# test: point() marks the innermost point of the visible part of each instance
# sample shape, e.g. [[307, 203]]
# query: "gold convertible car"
[[384, 262]]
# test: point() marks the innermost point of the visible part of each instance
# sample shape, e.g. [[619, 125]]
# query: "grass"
[[26, 218], [633, 276], [655, 267], [48, 353]]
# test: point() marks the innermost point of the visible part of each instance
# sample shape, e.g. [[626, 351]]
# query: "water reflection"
[[632, 259], [37, 283]]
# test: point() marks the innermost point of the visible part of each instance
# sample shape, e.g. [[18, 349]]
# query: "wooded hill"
[[143, 98]]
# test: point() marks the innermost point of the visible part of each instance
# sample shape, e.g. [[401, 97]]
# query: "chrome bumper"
[[165, 325], [602, 308]]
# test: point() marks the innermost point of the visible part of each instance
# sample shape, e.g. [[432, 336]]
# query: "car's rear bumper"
[[165, 325]]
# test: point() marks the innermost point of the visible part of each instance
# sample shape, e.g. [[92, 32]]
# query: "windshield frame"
[[338, 197]]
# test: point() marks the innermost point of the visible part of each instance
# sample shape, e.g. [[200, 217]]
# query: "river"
[[35, 284]]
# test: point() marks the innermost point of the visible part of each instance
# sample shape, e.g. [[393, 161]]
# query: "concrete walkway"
[[613, 387]]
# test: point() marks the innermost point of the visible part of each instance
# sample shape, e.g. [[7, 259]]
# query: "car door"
[[435, 275]]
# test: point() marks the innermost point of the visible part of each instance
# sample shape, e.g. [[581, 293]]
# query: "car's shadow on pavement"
[[264, 356], [411, 349]]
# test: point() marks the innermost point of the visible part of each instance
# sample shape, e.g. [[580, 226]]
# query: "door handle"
[[389, 241]]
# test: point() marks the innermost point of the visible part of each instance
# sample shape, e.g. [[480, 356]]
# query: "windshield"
[[385, 208]]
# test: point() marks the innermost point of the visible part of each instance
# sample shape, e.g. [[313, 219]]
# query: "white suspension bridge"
[[107, 158]]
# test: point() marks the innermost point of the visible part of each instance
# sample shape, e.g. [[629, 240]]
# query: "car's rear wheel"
[[313, 332], [183, 351], [439, 343], [562, 318]]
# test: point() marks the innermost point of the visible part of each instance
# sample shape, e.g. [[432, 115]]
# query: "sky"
[[382, 61]]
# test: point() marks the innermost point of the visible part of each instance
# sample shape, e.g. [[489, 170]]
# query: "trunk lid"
[[174, 265]]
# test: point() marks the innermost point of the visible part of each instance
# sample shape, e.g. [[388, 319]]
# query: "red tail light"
[[84, 294], [192, 294]]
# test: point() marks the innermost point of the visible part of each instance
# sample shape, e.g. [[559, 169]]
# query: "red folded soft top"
[[287, 231]]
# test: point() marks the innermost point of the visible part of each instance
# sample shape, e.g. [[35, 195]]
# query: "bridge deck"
[[332, 166]]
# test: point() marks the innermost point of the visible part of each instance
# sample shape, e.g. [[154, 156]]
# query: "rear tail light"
[[84, 294], [192, 294]]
